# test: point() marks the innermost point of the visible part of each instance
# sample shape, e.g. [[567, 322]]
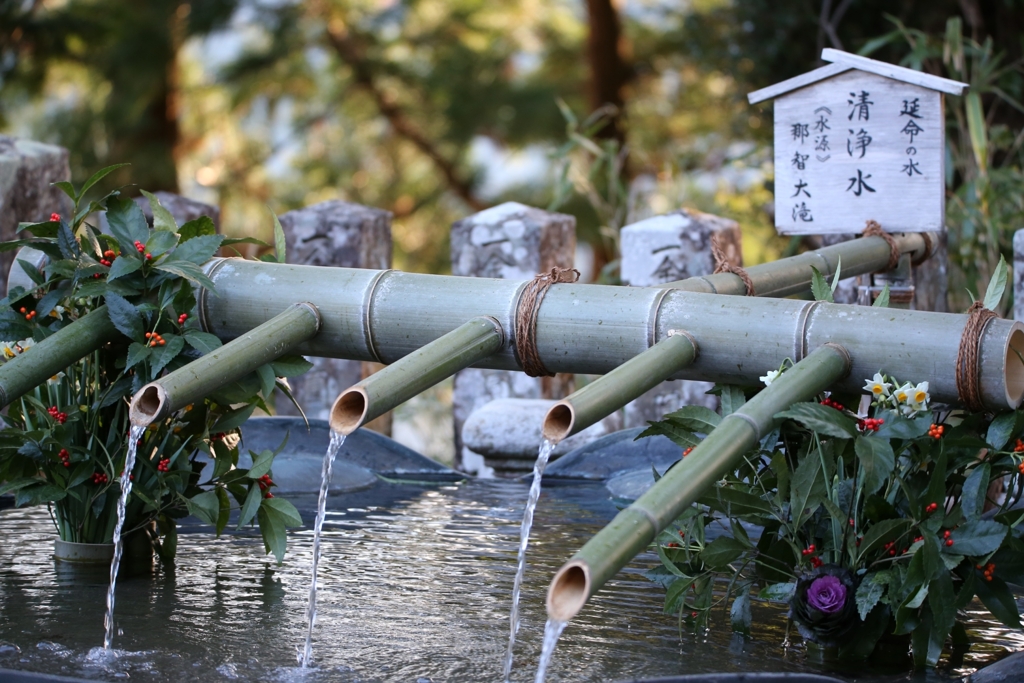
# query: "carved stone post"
[[27, 170], [510, 241], [345, 235], [671, 247]]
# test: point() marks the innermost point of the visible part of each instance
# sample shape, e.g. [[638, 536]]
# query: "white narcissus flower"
[[56, 378], [901, 396], [57, 312], [770, 377], [26, 344], [9, 349], [877, 386], [918, 398]]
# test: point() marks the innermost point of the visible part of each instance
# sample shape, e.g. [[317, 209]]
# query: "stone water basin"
[[416, 579]]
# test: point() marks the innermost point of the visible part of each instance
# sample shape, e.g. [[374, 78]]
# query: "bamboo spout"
[[792, 275], [272, 339], [610, 392], [634, 528], [68, 345], [416, 372]]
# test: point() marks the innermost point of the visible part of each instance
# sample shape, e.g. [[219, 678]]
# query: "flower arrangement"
[[64, 443], [873, 524]]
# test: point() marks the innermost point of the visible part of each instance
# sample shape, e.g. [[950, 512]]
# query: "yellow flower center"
[[876, 389], [902, 396], [920, 396]]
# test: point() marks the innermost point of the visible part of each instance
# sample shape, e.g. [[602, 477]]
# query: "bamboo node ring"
[[526, 315], [968, 356], [723, 265]]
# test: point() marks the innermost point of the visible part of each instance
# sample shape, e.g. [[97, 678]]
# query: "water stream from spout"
[[134, 434], [337, 439], [552, 630], [524, 540]]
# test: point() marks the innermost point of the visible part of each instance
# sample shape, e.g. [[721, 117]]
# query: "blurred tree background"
[[612, 110]]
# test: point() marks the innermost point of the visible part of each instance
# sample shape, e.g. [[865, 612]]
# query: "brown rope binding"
[[873, 229], [722, 265], [968, 356], [928, 246], [526, 318]]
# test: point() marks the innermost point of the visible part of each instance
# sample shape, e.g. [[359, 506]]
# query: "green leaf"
[[290, 366], [942, 603], [807, 488], [279, 240], [162, 218], [695, 418], [979, 135], [95, 178], [821, 419], [35, 495], [160, 241], [675, 592], [127, 223], [835, 275], [267, 379], [250, 506], [721, 551], [1002, 428], [778, 592], [203, 342], [870, 591], [877, 459], [286, 510], [899, 427], [998, 599], [197, 227], [124, 316], [272, 528], [972, 499], [681, 437], [123, 265], [996, 286], [233, 419], [261, 464], [739, 615], [205, 506], [977, 538], [882, 300], [197, 250], [735, 502], [225, 509], [165, 354], [881, 533], [187, 270], [67, 188], [136, 354], [819, 287], [69, 247], [731, 398]]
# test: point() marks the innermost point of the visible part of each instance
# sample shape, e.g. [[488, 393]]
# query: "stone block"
[[509, 241], [27, 171], [662, 249], [343, 235]]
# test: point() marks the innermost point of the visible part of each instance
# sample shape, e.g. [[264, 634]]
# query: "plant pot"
[[95, 558]]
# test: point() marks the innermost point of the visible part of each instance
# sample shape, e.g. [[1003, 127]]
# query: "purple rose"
[[826, 594]]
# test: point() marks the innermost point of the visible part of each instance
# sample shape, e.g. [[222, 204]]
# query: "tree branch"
[[343, 44]]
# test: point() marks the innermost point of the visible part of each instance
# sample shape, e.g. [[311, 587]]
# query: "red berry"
[[949, 542], [55, 218]]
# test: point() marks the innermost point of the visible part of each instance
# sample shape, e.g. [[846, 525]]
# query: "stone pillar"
[[182, 208], [1018, 275], [510, 241], [661, 249], [344, 235], [27, 170]]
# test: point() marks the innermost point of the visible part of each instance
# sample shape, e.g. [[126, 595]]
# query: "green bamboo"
[[637, 526], [418, 371], [236, 359], [70, 344], [608, 393], [792, 275]]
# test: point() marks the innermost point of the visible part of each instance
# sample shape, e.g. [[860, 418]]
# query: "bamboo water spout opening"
[[416, 372], [263, 344], [610, 392], [633, 529]]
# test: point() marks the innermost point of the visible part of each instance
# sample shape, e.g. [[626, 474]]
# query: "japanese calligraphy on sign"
[[859, 146]]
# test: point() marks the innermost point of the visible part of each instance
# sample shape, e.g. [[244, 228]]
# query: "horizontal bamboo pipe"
[[271, 340], [792, 275], [70, 344], [415, 373], [384, 315], [609, 392], [637, 526]]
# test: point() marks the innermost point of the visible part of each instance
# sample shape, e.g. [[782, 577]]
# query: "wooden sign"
[[853, 145]]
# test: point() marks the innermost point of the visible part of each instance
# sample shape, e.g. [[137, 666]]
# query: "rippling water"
[[415, 585]]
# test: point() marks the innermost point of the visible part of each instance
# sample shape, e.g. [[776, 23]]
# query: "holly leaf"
[[821, 419], [123, 265], [196, 228], [721, 551], [205, 506], [695, 418], [877, 459], [286, 510], [977, 538], [127, 223], [203, 342], [250, 506], [273, 530], [819, 287], [290, 366], [162, 219], [975, 489], [124, 316], [197, 250]]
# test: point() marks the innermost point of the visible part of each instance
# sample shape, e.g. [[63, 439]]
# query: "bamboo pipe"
[[637, 526], [415, 373], [792, 275], [70, 344], [384, 315], [610, 392], [271, 340]]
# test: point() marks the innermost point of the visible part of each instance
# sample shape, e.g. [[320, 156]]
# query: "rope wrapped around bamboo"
[[874, 229], [968, 357], [723, 265], [526, 318]]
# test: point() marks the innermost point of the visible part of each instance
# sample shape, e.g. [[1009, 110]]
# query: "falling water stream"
[[524, 540], [337, 439], [552, 630], [126, 488]]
